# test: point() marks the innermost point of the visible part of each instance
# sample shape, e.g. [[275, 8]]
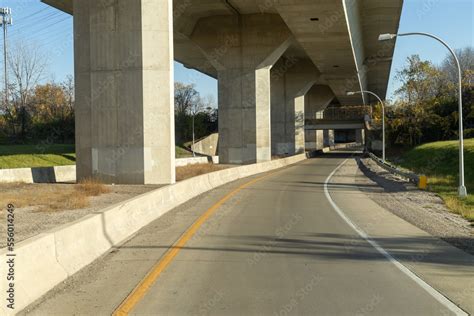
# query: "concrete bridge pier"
[[328, 136], [360, 136], [243, 49], [291, 79], [317, 99], [124, 91]]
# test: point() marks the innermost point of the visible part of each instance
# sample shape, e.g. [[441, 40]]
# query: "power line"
[[22, 25], [34, 13], [43, 31]]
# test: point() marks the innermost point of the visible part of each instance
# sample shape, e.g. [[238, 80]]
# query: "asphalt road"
[[272, 248]]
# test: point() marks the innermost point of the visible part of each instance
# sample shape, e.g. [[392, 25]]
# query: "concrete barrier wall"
[[68, 173], [44, 261], [39, 175], [181, 162]]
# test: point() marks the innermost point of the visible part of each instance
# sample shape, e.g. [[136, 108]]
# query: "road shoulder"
[[443, 266]]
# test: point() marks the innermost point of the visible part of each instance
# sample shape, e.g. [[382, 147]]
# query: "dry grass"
[[50, 198], [183, 173], [457, 206], [92, 187]]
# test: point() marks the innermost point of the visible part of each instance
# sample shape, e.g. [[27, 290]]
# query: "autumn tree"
[[26, 67], [426, 105]]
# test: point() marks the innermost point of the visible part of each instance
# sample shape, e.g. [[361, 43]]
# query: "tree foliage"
[[426, 108]]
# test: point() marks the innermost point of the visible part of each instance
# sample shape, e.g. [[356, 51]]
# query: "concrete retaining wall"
[[44, 261], [208, 145]]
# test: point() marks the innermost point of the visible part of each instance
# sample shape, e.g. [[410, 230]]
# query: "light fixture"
[[387, 37]]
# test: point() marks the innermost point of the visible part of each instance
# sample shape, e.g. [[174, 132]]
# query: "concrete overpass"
[[274, 60]]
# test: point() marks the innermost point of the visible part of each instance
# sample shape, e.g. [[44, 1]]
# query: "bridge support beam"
[[124, 91], [243, 49], [291, 78]]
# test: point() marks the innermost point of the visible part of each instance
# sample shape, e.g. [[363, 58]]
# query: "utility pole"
[[5, 20]]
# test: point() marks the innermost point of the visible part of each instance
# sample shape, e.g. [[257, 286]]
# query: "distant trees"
[[426, 108], [44, 110], [35, 111], [189, 104], [26, 67]]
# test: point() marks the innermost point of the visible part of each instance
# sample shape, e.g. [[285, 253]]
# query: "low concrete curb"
[[44, 261]]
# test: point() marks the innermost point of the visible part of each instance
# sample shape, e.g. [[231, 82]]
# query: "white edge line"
[[428, 288]]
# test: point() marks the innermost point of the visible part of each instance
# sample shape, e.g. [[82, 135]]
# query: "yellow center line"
[[142, 288]]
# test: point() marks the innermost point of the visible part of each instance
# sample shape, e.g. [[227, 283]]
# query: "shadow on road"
[[329, 246]]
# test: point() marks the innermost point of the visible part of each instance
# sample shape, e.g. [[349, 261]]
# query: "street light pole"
[[386, 37], [383, 116], [5, 20], [192, 147]]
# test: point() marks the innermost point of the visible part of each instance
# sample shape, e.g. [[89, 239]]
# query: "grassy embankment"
[[30, 156], [439, 161]]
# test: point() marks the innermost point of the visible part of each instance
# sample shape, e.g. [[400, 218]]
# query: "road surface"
[[272, 245]]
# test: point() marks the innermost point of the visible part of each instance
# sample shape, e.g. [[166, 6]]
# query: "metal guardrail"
[[420, 181]]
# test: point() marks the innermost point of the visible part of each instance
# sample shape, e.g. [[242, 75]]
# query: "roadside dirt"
[[423, 209], [190, 171], [35, 218], [41, 207]]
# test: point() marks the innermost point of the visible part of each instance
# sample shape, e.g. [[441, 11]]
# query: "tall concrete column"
[[243, 49], [360, 136], [124, 91], [317, 99], [329, 138], [314, 140], [292, 78]]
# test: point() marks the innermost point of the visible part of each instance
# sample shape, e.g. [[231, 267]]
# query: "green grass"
[[183, 153], [31, 156], [439, 161]]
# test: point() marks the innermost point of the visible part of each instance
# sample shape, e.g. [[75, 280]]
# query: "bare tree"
[[27, 67], [68, 88], [466, 61], [186, 98], [208, 103]]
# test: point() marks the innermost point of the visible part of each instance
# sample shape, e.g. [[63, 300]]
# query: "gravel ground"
[[30, 222], [423, 209]]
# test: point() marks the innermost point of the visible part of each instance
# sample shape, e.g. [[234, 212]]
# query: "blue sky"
[[51, 31]]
